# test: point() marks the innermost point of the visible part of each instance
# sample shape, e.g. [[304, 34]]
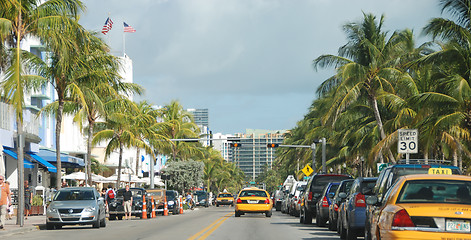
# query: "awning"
[[43, 162], [27, 164], [50, 156]]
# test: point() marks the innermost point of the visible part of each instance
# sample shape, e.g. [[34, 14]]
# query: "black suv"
[[390, 174], [116, 208], [314, 188]]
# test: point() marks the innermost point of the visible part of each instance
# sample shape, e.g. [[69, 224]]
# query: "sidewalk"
[[33, 223]]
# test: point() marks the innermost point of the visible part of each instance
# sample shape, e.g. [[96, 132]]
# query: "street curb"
[[8, 232]]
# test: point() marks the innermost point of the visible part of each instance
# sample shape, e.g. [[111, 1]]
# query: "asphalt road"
[[204, 223]]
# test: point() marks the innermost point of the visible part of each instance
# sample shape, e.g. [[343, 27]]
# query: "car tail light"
[[325, 203], [360, 200], [267, 201], [336, 207], [402, 219], [309, 198], [299, 201], [239, 200]]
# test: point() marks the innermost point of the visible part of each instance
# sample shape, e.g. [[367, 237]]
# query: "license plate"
[[458, 226], [252, 201]]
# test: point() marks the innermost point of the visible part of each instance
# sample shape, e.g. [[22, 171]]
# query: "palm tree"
[[178, 124], [366, 66]]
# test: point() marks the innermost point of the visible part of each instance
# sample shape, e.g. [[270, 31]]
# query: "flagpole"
[[124, 44]]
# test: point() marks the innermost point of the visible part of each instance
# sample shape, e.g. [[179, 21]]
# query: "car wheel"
[[338, 224], [237, 214], [320, 222], [332, 225], [278, 206], [367, 232], [342, 231], [301, 216], [120, 217], [217, 205], [103, 223], [112, 217], [96, 224], [174, 212], [49, 226], [58, 226], [307, 217], [268, 214], [351, 234]]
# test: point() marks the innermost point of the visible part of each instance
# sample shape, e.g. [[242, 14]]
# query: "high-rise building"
[[254, 155], [201, 119]]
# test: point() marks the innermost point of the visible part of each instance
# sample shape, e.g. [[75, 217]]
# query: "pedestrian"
[[10, 208], [5, 201], [110, 194], [28, 199], [189, 201], [127, 201]]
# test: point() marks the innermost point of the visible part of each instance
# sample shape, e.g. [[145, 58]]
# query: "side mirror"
[[366, 191], [342, 195], [372, 200], [331, 195]]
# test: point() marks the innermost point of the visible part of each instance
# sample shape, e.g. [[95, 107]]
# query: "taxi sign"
[[445, 171], [307, 170]]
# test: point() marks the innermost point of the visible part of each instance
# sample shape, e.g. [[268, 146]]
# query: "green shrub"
[[37, 200]]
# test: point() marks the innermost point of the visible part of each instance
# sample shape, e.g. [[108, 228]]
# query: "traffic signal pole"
[[313, 147]]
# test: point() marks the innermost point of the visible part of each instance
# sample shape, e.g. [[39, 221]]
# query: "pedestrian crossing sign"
[[307, 170]]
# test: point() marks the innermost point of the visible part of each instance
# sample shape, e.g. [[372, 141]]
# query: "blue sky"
[[248, 61]]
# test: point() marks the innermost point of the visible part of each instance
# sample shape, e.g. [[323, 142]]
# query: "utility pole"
[[21, 179]]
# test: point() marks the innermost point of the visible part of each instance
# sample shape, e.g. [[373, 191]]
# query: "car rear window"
[[333, 188], [170, 195], [368, 184], [224, 195], [435, 191], [74, 195], [253, 193], [321, 181]]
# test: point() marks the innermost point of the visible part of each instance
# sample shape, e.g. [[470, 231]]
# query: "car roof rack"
[[423, 161]]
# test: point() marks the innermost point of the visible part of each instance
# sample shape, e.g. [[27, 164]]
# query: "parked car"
[[281, 199], [314, 188], [224, 198], [173, 201], [325, 200], [425, 206], [253, 200], [297, 206], [285, 200], [277, 198], [344, 187], [353, 216], [299, 186], [76, 206], [116, 208], [159, 199], [391, 173], [202, 198]]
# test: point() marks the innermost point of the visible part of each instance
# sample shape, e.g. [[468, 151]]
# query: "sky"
[[248, 61]]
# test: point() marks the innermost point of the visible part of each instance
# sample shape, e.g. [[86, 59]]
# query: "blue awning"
[[50, 156], [27, 164], [43, 162]]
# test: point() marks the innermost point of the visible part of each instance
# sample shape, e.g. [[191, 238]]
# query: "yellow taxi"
[[224, 198], [253, 200], [424, 206]]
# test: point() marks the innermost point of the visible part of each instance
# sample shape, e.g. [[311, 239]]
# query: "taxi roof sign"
[[445, 171]]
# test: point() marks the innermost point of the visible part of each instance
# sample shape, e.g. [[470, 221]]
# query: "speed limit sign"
[[408, 141]]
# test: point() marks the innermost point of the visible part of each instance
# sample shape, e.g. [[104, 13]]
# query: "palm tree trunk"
[[60, 110], [118, 181], [138, 154], [379, 123], [89, 152]]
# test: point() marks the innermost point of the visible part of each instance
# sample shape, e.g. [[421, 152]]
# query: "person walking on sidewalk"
[[28, 199], [4, 197], [127, 203]]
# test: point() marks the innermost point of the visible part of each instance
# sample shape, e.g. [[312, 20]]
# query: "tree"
[[185, 175]]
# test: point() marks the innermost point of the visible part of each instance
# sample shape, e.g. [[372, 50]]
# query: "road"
[[205, 223]]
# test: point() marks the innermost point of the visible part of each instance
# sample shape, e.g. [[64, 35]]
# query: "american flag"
[[107, 27], [128, 28]]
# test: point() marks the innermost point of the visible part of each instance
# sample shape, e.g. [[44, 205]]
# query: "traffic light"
[[235, 145], [273, 145]]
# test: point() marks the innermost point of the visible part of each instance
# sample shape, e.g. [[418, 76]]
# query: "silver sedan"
[[76, 206]]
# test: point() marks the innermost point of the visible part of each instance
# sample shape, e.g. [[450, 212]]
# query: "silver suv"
[[76, 206]]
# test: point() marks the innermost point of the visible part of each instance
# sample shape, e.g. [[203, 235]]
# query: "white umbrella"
[[125, 178], [157, 181], [81, 176]]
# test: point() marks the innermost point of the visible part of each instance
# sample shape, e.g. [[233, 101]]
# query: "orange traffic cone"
[[153, 209], [144, 208], [181, 205], [165, 207]]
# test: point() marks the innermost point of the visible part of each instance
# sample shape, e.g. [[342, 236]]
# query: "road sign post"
[[407, 142]]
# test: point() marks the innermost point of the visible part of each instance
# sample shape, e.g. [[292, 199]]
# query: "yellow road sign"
[[307, 170]]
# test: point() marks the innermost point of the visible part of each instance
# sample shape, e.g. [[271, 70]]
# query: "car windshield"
[[73, 195], [253, 193], [321, 181], [224, 195], [435, 191], [170, 195], [201, 195]]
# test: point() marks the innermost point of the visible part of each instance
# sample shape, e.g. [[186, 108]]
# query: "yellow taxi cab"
[[253, 200], [224, 198], [424, 206]]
